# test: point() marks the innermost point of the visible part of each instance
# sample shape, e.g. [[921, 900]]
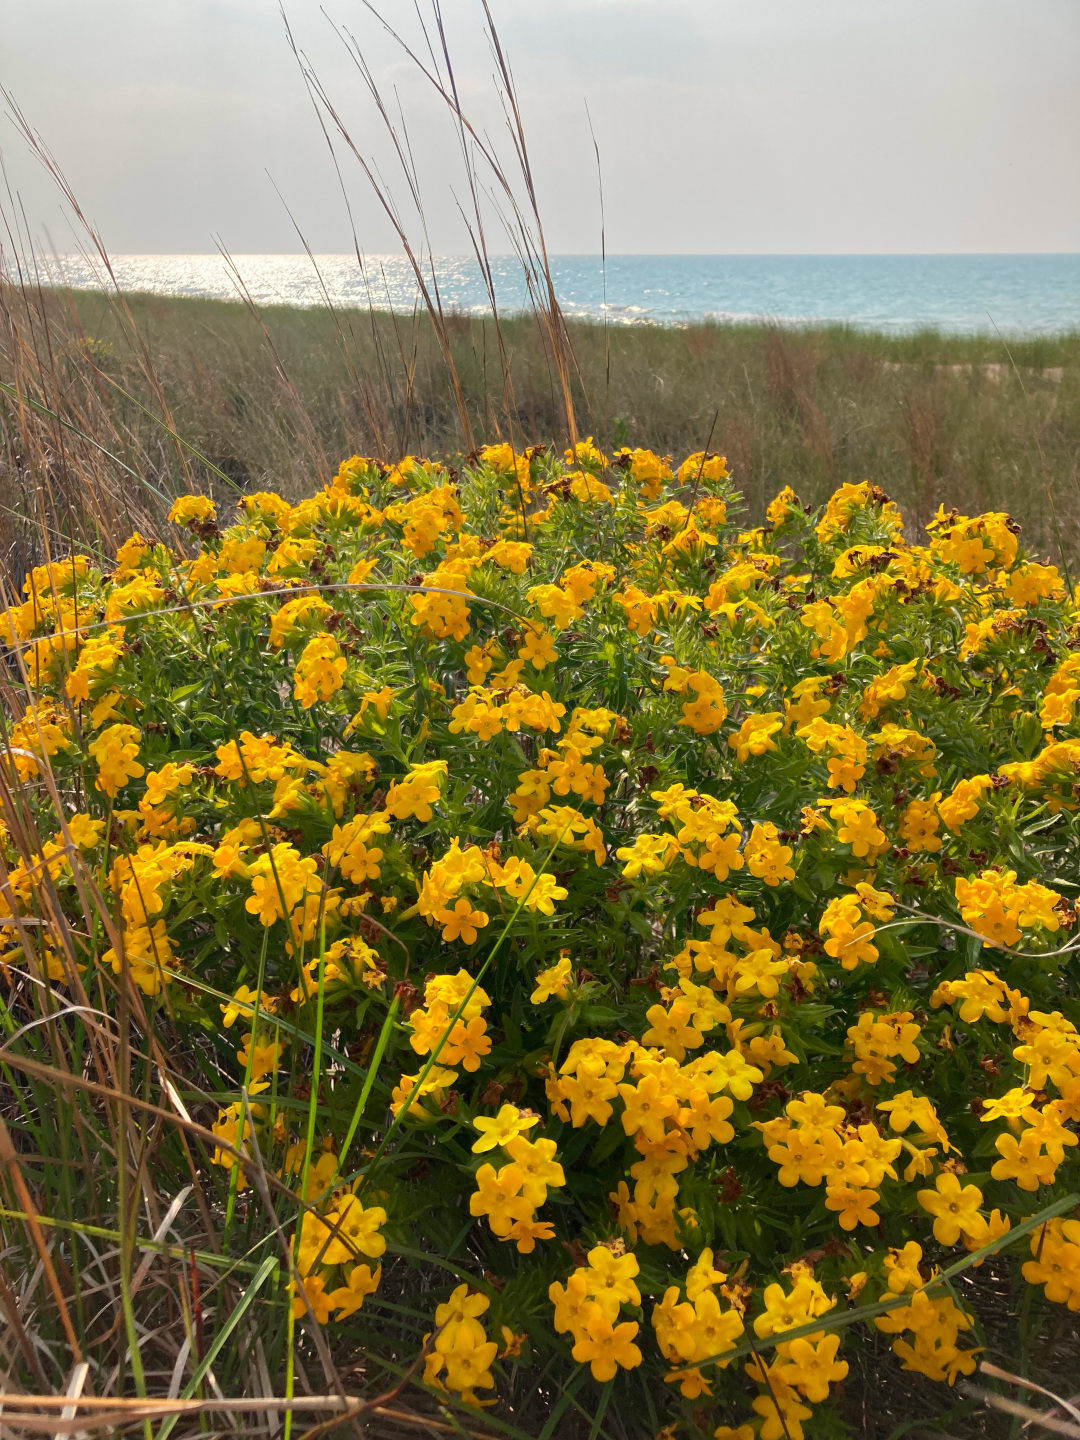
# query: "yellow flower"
[[647, 1107], [649, 855], [498, 1196], [468, 1367], [908, 1109], [294, 615], [538, 649], [813, 1368], [753, 736], [192, 508], [478, 662], [555, 981], [572, 1303], [955, 1208], [243, 1003], [312, 1292], [320, 671], [848, 933], [415, 795], [467, 1043], [461, 923], [704, 466], [1023, 1161], [460, 1311], [670, 1030], [606, 1348], [853, 1204], [503, 1127], [859, 828], [265, 1056], [609, 1279], [84, 832], [919, 823], [148, 952], [537, 1163], [348, 1298], [766, 857], [114, 751], [354, 1230]]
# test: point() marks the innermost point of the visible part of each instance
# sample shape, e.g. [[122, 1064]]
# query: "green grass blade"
[[265, 1270]]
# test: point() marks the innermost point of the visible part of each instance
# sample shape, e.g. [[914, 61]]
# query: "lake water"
[[1019, 294]]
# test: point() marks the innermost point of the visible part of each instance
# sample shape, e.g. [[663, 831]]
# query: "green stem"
[[365, 1093]]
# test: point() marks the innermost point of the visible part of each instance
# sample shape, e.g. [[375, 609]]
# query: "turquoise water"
[[1019, 294]]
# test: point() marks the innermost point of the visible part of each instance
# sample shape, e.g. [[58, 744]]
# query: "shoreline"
[[809, 327], [1016, 296]]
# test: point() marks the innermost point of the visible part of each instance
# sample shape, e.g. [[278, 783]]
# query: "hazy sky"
[[732, 126]]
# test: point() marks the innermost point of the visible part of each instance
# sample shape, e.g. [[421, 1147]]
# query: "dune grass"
[[969, 421]]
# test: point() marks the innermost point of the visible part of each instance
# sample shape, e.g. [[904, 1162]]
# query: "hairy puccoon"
[[605, 877]]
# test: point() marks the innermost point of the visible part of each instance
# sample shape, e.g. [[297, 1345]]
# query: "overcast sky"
[[737, 126]]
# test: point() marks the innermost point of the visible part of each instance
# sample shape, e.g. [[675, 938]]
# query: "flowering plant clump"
[[658, 930]]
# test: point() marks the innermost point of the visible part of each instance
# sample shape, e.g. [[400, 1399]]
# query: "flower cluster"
[[511, 1195], [333, 1243], [696, 1329], [583, 893], [460, 1359], [933, 1322], [804, 1368], [589, 1304]]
